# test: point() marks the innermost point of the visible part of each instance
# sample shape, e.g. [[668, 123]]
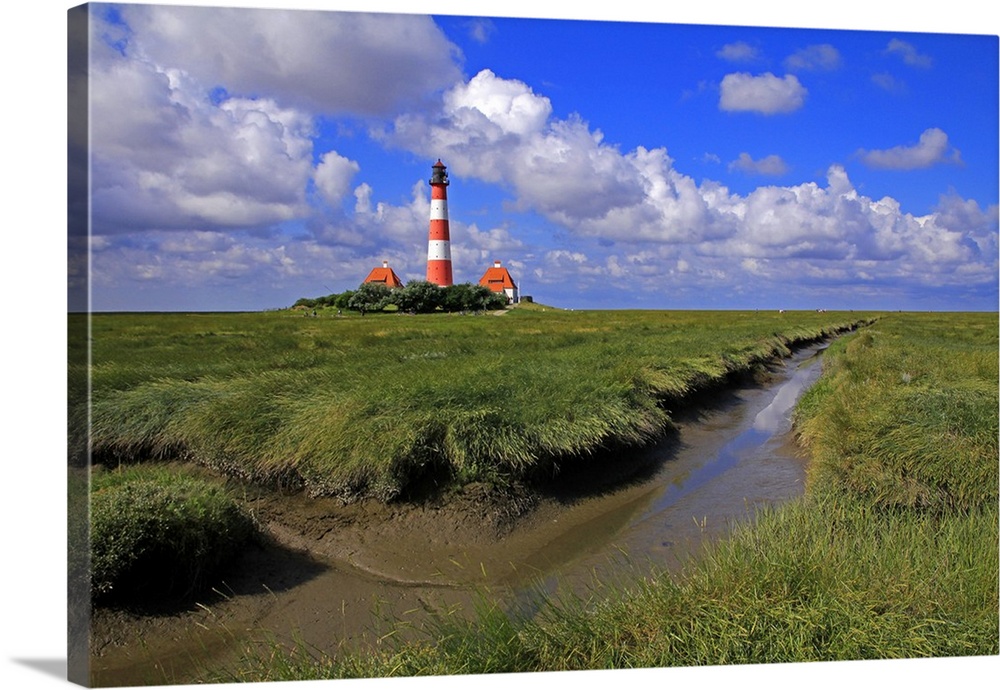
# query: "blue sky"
[[242, 159]]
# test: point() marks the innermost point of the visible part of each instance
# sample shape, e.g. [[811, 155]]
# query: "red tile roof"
[[384, 274], [497, 278]]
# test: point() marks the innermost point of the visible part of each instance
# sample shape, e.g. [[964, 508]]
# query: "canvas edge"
[[78, 346]]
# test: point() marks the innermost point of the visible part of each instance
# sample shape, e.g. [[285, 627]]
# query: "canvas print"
[[407, 345]]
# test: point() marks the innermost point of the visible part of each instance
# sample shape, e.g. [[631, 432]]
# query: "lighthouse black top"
[[438, 174]]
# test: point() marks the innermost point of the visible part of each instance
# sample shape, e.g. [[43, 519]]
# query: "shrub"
[[160, 533], [469, 297], [370, 297], [418, 296], [343, 300]]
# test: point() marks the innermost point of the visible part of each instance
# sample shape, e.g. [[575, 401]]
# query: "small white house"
[[498, 279]]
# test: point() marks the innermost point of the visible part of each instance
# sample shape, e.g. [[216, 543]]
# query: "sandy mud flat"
[[329, 574]]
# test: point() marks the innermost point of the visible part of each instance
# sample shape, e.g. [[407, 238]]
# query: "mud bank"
[[334, 575]]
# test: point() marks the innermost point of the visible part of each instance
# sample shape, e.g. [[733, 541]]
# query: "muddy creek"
[[335, 575]]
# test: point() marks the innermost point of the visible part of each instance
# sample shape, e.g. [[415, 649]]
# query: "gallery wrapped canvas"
[[414, 344]]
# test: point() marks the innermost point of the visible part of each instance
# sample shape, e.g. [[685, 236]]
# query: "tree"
[[495, 300], [459, 297], [420, 296], [469, 297], [343, 300], [326, 300], [369, 297]]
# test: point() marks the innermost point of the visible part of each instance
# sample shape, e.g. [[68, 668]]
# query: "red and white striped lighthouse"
[[438, 239]]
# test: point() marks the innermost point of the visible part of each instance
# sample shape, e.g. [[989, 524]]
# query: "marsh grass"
[[158, 533], [809, 583], [356, 406], [892, 552], [907, 414], [370, 407]]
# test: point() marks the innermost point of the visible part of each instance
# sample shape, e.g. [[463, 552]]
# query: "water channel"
[[727, 457]]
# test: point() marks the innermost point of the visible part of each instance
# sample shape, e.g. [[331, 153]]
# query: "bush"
[[157, 533], [340, 300], [343, 300], [419, 296], [370, 297], [469, 297]]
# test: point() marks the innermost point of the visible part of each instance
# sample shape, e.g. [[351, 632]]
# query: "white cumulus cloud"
[[677, 229], [332, 62], [768, 165], [508, 104], [165, 158], [740, 51], [932, 148], [765, 93], [908, 53], [823, 57], [333, 176], [499, 130], [888, 82]]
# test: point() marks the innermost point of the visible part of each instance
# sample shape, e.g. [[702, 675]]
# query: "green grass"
[[907, 417], [356, 406], [892, 552], [160, 533], [367, 407]]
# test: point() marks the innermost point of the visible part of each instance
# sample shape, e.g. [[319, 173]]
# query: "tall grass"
[[908, 415], [160, 533], [366, 406], [892, 552]]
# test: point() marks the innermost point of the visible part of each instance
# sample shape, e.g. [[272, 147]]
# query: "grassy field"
[[892, 552], [368, 406]]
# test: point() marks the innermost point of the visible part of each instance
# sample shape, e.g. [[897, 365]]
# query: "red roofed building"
[[497, 279], [384, 275]]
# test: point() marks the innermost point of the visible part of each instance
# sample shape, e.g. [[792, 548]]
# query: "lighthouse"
[[438, 239]]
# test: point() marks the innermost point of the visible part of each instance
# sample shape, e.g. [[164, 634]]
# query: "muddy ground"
[[331, 575], [335, 575]]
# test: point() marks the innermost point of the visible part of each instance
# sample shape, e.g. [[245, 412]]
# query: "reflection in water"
[[728, 461], [776, 417], [774, 420]]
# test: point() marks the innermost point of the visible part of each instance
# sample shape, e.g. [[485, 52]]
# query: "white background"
[[33, 617]]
